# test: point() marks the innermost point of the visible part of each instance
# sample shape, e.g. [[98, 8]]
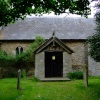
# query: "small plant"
[[23, 73], [75, 75], [36, 79]]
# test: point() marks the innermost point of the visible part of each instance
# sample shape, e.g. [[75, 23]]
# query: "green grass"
[[32, 90]]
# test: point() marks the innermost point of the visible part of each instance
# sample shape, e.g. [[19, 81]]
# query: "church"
[[65, 49]]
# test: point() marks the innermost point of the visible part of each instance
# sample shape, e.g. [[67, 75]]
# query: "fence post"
[[18, 81], [85, 71]]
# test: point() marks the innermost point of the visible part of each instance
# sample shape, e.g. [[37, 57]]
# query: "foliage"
[[26, 59], [33, 90], [7, 64], [11, 10], [23, 73], [75, 75], [94, 45], [23, 61], [94, 41], [38, 41], [5, 59], [35, 79]]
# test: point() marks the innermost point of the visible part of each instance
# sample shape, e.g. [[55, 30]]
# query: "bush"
[[23, 73], [9, 64], [75, 75], [26, 60]]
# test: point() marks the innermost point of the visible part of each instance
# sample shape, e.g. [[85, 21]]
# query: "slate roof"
[[65, 28]]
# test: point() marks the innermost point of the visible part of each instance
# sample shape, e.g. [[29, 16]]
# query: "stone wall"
[[39, 65], [94, 67], [67, 63], [10, 46], [79, 56]]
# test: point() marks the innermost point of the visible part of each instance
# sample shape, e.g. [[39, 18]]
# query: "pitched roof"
[[65, 28], [53, 40]]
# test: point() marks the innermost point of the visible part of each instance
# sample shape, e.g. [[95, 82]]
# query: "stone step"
[[54, 79]]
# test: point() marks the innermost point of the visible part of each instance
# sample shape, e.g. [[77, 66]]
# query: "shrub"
[[9, 64], [26, 59], [23, 73], [36, 79], [75, 75]]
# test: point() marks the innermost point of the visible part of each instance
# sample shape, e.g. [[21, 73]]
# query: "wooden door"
[[53, 64]]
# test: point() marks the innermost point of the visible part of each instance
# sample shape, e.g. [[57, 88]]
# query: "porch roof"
[[53, 39]]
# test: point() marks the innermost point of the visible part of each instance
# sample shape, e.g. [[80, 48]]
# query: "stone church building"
[[64, 52]]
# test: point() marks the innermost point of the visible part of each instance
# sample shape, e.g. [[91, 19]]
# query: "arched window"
[[19, 50]]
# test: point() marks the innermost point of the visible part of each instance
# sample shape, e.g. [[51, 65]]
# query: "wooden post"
[[85, 75], [18, 81]]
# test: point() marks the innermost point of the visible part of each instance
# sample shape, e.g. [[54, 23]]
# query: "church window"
[[19, 50]]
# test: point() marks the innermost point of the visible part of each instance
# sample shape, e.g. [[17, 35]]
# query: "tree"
[[94, 41], [11, 10]]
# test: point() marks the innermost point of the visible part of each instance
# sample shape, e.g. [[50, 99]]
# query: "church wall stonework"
[[10, 47], [79, 55], [94, 67], [67, 64], [39, 65]]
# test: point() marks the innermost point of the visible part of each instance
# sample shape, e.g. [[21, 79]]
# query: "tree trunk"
[[85, 75], [18, 81]]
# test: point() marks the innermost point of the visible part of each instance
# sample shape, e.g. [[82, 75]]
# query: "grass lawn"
[[32, 90]]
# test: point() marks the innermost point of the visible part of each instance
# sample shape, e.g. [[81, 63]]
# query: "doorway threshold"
[[54, 79]]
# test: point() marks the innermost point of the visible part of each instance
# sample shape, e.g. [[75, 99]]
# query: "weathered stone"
[[39, 65], [10, 47], [94, 67]]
